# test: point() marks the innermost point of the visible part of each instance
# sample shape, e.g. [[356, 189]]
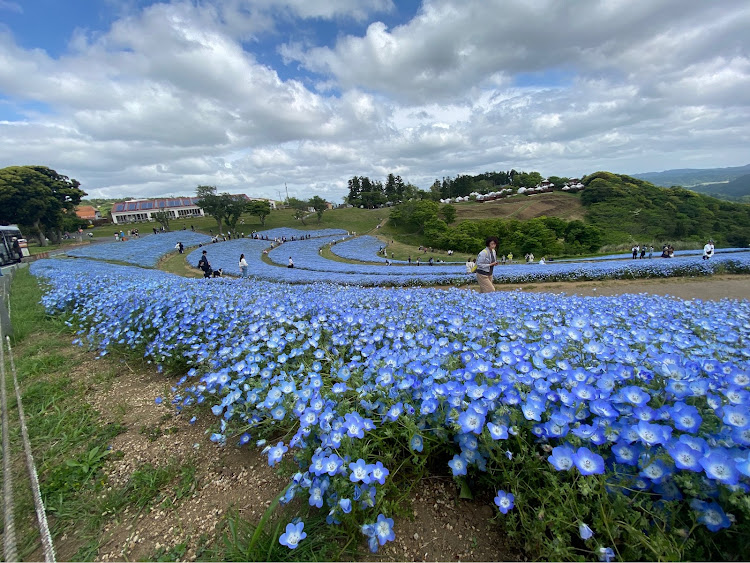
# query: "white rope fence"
[[10, 539]]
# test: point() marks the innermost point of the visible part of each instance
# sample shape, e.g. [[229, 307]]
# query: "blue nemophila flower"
[[275, 453], [652, 434], [656, 471], [379, 472], [711, 515], [416, 443], [606, 554], [158, 400], [360, 472], [504, 501], [584, 531], [736, 416], [346, 505], [588, 462], [685, 457], [458, 465], [743, 466], [471, 421], [384, 529], [498, 432], [686, 417], [562, 458], [293, 535], [719, 466]]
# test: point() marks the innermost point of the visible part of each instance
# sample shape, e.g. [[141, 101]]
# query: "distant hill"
[[690, 177], [627, 208], [739, 188]]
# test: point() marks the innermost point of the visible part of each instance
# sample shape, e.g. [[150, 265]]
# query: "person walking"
[[243, 266], [291, 263], [708, 250], [650, 252], [486, 262]]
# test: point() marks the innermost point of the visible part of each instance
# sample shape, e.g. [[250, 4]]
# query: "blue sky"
[[145, 98]]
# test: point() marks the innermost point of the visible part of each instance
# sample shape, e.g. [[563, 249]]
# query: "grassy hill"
[[551, 204], [630, 209]]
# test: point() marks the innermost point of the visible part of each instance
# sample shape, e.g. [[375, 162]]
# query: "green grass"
[[241, 540], [70, 442]]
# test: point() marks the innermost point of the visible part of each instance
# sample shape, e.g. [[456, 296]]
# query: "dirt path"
[[707, 288]]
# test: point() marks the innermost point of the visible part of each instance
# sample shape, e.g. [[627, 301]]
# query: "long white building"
[[138, 210]]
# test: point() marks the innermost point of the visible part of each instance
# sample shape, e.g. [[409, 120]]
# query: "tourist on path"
[[486, 262]]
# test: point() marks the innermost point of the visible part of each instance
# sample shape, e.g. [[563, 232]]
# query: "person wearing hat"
[[708, 250]]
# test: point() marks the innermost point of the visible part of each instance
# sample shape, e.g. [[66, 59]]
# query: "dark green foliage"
[[627, 209], [39, 199]]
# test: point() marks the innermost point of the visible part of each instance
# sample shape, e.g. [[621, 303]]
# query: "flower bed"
[[607, 426], [145, 251]]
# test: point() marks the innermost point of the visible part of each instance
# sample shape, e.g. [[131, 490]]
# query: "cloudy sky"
[[138, 98]]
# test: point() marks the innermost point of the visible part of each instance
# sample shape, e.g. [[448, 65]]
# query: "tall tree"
[[162, 217], [260, 208], [224, 207], [233, 207], [319, 205], [300, 208], [355, 188], [38, 198], [210, 201]]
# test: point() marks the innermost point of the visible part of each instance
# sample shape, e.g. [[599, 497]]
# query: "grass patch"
[[176, 263], [70, 442], [240, 540]]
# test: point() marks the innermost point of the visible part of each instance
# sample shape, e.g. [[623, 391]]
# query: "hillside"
[[736, 189], [690, 177], [630, 209], [551, 204]]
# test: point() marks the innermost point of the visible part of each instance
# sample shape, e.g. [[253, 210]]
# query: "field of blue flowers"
[[311, 267], [603, 427], [145, 251]]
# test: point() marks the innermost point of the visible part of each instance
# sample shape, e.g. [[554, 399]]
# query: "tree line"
[[540, 236], [368, 193], [226, 208]]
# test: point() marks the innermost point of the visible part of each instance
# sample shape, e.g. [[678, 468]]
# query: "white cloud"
[[179, 94]]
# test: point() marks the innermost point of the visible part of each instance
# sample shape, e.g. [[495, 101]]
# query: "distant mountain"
[[690, 177], [737, 188]]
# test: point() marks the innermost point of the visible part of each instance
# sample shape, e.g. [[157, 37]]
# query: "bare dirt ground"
[[711, 288], [553, 204], [442, 527]]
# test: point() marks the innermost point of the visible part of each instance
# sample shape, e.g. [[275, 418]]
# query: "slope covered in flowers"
[[582, 414], [145, 251]]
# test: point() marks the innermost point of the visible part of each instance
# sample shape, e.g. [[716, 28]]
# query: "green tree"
[[224, 207], [319, 205], [355, 188], [301, 208], [259, 208], [234, 206], [449, 213], [162, 217], [38, 198], [211, 203]]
